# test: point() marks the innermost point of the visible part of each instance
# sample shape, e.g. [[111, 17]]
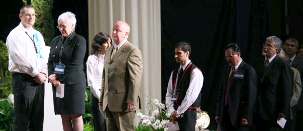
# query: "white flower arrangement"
[[158, 119]]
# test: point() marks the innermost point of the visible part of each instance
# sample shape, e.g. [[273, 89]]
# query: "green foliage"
[[88, 117], [144, 128], [5, 76], [6, 115], [88, 127], [44, 20]]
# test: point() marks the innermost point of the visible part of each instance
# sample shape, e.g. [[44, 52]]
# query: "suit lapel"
[[122, 49], [267, 69]]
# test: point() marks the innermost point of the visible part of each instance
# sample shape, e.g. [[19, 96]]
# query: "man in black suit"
[[237, 98], [291, 47], [275, 88]]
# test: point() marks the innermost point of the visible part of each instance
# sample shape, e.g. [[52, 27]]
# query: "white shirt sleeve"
[[89, 71], [91, 77], [169, 96], [21, 56], [195, 86]]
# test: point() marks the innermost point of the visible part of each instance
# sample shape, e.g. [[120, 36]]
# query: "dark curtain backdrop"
[[9, 17], [211, 24], [79, 8], [208, 24]]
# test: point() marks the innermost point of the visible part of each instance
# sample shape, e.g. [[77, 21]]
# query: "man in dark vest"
[[183, 95]]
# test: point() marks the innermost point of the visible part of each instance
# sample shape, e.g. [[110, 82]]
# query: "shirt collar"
[[118, 46], [30, 31], [185, 65], [292, 58], [237, 66], [272, 58]]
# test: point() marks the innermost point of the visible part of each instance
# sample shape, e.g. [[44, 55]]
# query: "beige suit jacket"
[[122, 78]]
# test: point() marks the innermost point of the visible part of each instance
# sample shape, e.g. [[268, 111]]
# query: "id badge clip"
[[59, 68], [174, 98]]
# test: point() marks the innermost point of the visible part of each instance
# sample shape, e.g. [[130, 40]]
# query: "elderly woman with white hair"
[[67, 76]]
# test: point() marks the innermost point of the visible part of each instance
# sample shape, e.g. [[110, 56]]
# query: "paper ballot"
[[60, 91], [281, 122]]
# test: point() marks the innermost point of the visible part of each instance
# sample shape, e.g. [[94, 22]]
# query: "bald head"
[[120, 31]]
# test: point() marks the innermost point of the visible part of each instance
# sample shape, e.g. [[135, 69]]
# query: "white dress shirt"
[[24, 56], [94, 70], [195, 86], [120, 44], [272, 58]]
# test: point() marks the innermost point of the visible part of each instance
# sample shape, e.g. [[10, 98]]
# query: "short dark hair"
[[99, 39], [184, 46], [233, 46], [293, 40], [23, 7]]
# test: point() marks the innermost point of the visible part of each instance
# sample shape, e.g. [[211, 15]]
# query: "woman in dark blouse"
[[67, 76]]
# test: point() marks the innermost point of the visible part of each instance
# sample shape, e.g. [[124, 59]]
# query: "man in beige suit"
[[123, 71]]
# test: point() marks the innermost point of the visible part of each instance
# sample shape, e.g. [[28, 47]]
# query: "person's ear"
[[278, 50], [187, 52]]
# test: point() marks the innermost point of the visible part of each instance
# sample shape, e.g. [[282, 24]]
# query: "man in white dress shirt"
[[183, 95], [28, 64]]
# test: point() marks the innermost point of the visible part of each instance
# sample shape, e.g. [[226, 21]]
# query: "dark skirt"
[[73, 102]]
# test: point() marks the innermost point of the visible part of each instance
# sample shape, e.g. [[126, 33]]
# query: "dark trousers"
[[299, 120], [188, 121], [226, 124], [291, 122], [267, 125], [28, 103], [98, 116]]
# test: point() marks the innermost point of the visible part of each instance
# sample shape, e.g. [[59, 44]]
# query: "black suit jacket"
[[72, 56], [298, 64], [275, 90], [241, 97], [74, 80]]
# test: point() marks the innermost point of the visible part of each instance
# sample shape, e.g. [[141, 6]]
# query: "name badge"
[[59, 69], [239, 76]]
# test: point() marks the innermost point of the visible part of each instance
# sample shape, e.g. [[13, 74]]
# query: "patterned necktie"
[[113, 53]]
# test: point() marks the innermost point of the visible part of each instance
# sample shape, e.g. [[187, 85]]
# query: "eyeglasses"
[[61, 27]]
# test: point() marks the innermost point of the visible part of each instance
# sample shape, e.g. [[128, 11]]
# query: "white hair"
[[275, 40], [68, 17]]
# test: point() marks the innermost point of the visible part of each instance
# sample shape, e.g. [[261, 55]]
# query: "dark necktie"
[[228, 86], [266, 62], [290, 62], [180, 74], [178, 88]]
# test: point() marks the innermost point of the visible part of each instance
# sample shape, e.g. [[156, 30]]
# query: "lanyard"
[[61, 52], [32, 39]]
